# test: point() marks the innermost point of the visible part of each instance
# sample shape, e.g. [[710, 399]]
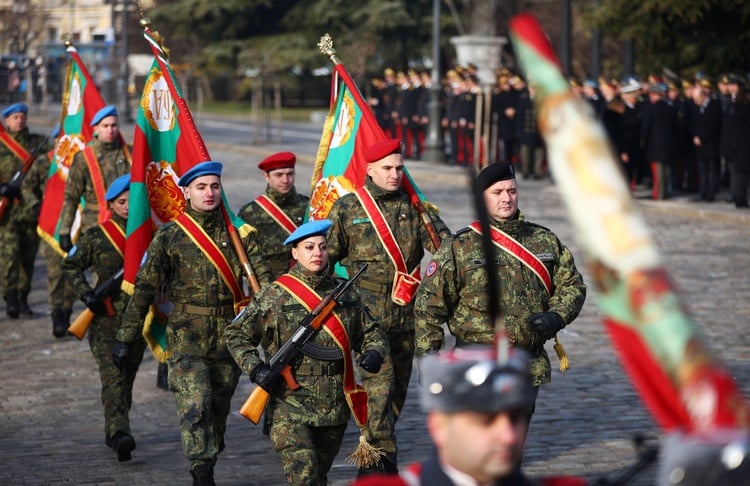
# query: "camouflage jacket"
[[95, 251], [272, 317], [353, 241], [271, 235], [177, 267], [113, 164], [453, 291], [32, 188]]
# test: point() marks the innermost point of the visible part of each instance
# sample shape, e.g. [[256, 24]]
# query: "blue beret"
[[15, 108], [120, 185], [109, 110], [311, 228], [591, 83], [199, 170]]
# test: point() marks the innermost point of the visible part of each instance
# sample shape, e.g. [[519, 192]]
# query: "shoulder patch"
[[73, 250], [431, 268]]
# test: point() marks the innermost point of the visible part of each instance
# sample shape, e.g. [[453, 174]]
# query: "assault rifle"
[[102, 293], [17, 178], [281, 362]]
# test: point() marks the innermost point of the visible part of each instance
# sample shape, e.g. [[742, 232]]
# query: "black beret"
[[499, 171]]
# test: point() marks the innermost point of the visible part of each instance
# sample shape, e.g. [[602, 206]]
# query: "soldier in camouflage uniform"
[[453, 289], [278, 170], [19, 241], [95, 250], [307, 424], [113, 160], [352, 241], [202, 375]]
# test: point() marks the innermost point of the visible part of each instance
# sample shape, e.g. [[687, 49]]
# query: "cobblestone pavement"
[[51, 427]]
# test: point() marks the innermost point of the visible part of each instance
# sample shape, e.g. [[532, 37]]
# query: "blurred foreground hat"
[[658, 88], [15, 108], [120, 185], [382, 149], [279, 160], [499, 171], [630, 85], [311, 228], [109, 110], [200, 170], [469, 379]]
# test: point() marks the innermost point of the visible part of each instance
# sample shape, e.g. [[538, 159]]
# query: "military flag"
[[684, 386], [166, 144], [81, 101], [350, 128]]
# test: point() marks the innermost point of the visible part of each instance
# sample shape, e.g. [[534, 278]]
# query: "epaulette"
[[538, 225], [463, 230]]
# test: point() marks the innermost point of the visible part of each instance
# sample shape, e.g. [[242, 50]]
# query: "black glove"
[[370, 361], [65, 243], [11, 192], [546, 323], [266, 378], [120, 355], [93, 303]]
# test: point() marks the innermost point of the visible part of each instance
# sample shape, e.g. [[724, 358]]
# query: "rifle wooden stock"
[[253, 407], [82, 323]]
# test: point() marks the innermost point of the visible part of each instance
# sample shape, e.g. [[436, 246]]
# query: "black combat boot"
[[59, 323], [12, 307], [123, 444], [162, 380], [385, 465], [203, 475], [23, 304]]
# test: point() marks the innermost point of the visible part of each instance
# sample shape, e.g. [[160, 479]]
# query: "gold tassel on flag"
[[564, 362], [366, 455]]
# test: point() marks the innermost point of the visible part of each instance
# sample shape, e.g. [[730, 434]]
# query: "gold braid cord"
[[562, 355], [365, 455]]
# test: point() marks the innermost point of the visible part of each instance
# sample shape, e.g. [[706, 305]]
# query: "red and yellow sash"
[[97, 180], [15, 147], [356, 396], [276, 213], [211, 250], [115, 235], [508, 244]]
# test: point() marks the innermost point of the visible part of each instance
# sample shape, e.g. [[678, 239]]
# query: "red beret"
[[278, 160], [382, 149]]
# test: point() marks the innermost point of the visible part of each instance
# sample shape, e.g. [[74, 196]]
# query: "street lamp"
[[434, 145]]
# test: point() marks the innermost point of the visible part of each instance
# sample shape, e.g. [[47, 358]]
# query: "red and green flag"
[[81, 101]]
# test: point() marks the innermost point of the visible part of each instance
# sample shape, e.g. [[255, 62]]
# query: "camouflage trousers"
[[386, 392], [203, 389], [61, 295], [307, 452], [117, 387], [18, 247]]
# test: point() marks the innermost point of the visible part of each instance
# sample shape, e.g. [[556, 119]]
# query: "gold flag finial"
[[326, 47]]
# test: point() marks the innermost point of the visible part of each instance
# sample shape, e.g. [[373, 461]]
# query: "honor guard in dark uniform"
[[101, 249], [278, 211]]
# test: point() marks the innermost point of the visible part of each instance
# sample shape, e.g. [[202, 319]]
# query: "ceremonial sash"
[[405, 284], [211, 250], [97, 180], [356, 396], [115, 235], [15, 147], [505, 242], [276, 213]]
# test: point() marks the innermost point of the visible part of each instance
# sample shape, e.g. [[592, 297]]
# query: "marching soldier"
[[541, 289], [101, 249], [93, 169], [192, 261], [19, 241], [378, 225], [307, 424], [277, 212]]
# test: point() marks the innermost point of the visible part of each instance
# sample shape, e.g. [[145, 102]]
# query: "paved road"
[[51, 429]]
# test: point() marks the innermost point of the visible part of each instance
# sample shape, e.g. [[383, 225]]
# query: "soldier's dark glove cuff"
[[120, 355], [266, 378], [65, 243], [93, 303], [370, 361], [547, 324]]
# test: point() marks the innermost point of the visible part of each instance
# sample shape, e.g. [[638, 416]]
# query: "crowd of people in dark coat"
[[676, 136]]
